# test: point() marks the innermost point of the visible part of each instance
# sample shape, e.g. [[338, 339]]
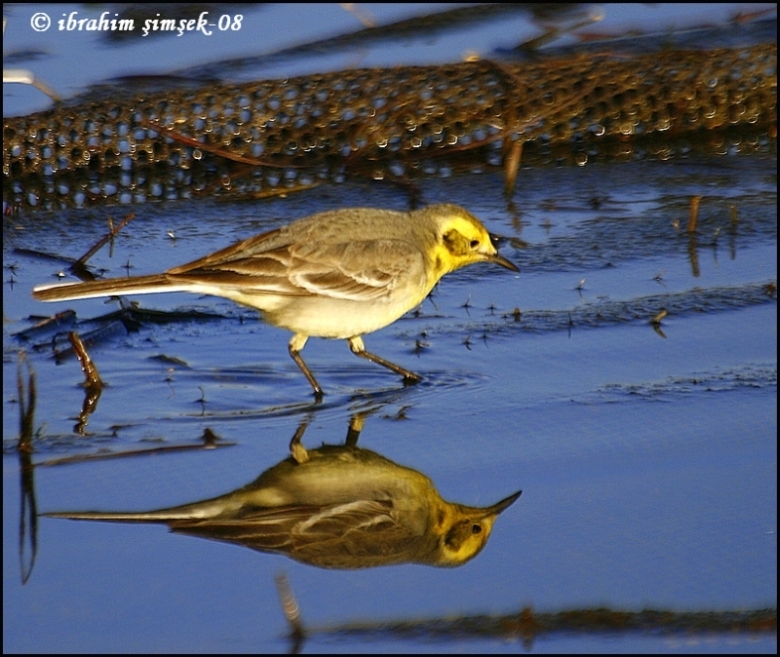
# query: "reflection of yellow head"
[[465, 530]]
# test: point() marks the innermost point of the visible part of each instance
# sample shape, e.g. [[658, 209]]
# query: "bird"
[[337, 506], [336, 274]]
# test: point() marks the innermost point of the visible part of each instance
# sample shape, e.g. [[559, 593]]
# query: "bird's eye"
[[476, 529], [474, 244]]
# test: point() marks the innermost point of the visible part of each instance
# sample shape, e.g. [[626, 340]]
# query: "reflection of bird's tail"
[[109, 286], [195, 511], [154, 516]]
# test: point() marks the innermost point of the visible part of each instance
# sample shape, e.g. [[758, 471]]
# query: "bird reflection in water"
[[334, 507]]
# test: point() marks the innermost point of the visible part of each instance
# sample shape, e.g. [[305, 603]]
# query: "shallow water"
[[647, 455]]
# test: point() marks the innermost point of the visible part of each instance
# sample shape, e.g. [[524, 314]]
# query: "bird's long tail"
[[107, 287]]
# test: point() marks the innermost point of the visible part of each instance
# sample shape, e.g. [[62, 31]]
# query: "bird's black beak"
[[498, 259]]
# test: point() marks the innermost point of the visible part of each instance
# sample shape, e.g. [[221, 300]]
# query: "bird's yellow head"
[[466, 531], [460, 240]]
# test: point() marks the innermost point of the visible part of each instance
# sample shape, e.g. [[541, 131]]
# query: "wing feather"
[[354, 270]]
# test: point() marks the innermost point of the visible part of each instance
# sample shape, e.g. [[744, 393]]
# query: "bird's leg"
[[357, 347], [297, 343]]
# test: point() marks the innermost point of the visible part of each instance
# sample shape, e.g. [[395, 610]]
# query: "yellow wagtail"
[[336, 274]]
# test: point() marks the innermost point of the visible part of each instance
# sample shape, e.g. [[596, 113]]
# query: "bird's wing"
[[357, 270], [257, 265]]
